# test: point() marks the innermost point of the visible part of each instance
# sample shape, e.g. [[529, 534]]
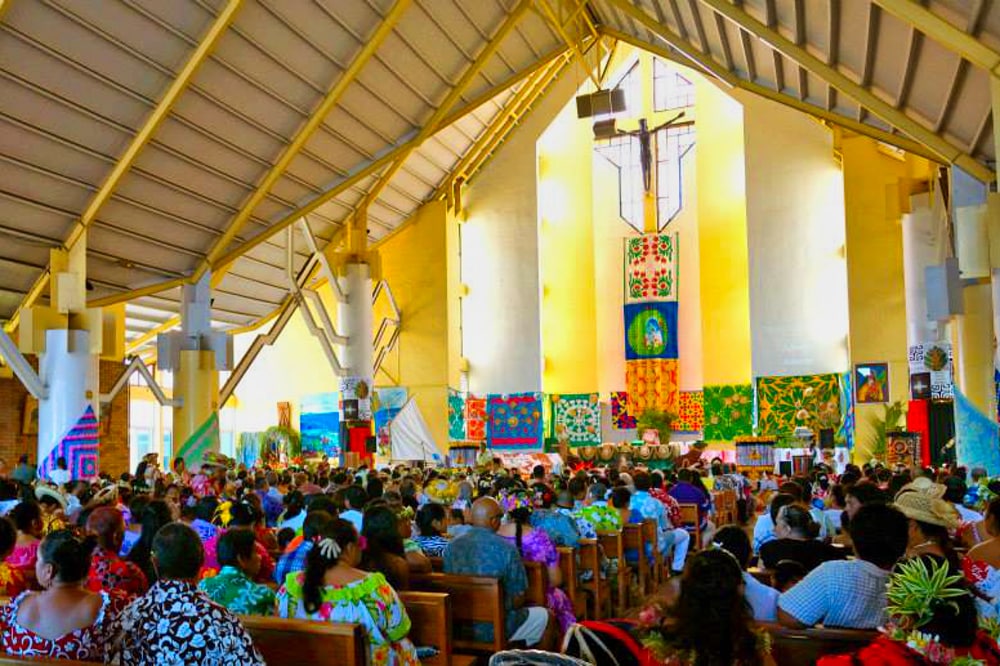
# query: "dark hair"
[[897, 482], [787, 573], [8, 536], [25, 514], [343, 533], [375, 488], [867, 492], [993, 515], [733, 539], [880, 534], [792, 488], [641, 480], [457, 516], [426, 515], [939, 535], [295, 503], [61, 462], [837, 496], [955, 489], [244, 514], [799, 520], [620, 497], [356, 497], [235, 543], [205, 508], [68, 554], [711, 604], [778, 501], [321, 503], [576, 486], [381, 531], [179, 553], [155, 516], [955, 621], [284, 537]]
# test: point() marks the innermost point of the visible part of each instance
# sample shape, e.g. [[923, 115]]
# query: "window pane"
[[672, 144], [670, 89], [623, 153]]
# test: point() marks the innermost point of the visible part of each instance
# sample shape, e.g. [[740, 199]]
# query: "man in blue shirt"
[[668, 536], [294, 557], [481, 552]]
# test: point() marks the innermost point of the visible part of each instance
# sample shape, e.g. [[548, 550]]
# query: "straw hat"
[[46, 491], [106, 495], [922, 500]]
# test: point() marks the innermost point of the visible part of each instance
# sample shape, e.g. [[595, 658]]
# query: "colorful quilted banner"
[[651, 268], [577, 418], [787, 403], [79, 447], [621, 417], [690, 412], [846, 433], [650, 331], [728, 412], [652, 384], [514, 422], [456, 416], [977, 436], [475, 418], [383, 418], [201, 441]]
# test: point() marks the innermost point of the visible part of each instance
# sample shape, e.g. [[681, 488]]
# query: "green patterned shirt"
[[231, 588]]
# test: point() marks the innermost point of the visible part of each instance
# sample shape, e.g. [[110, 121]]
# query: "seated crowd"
[[158, 568]]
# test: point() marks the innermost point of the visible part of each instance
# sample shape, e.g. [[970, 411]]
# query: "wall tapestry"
[[651, 384], [356, 398], [846, 432], [977, 436], [80, 448], [787, 403], [200, 442], [514, 422], [383, 440], [728, 412], [621, 417], [690, 412], [456, 416], [390, 397], [651, 268], [319, 423], [650, 330], [872, 382], [931, 371], [475, 418], [577, 418]]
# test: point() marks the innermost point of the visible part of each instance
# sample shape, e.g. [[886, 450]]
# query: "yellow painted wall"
[[415, 263], [566, 256], [876, 188], [722, 237]]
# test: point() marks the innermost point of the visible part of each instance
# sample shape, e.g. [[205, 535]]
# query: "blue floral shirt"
[[560, 528]]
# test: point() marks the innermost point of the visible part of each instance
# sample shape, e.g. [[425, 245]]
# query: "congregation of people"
[[159, 567]]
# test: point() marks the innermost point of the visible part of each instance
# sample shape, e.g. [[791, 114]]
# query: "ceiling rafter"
[[800, 39], [727, 51], [973, 26], [699, 27], [139, 141], [453, 95], [317, 118], [864, 96], [833, 49], [689, 58], [871, 50]]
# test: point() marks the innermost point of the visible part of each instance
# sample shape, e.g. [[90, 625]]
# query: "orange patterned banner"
[[652, 384]]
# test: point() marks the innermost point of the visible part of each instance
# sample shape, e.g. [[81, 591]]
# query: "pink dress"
[[23, 557], [537, 546]]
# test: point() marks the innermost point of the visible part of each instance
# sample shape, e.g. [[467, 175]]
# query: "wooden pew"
[[651, 533], [305, 642], [538, 584], [692, 523], [571, 581], [806, 646], [634, 539], [473, 599], [598, 590], [8, 660], [437, 564], [613, 547]]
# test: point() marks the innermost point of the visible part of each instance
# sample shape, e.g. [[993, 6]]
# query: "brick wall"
[[114, 441]]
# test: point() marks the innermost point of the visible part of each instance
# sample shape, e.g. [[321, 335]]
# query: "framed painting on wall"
[[872, 382]]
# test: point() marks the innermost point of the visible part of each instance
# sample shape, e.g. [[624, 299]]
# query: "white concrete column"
[[923, 246], [355, 321], [69, 371]]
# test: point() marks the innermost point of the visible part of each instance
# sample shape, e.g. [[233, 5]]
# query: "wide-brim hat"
[[46, 491], [923, 500], [106, 495]]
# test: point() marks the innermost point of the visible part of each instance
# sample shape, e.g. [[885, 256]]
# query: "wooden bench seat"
[[430, 626], [806, 646], [8, 660], [305, 642]]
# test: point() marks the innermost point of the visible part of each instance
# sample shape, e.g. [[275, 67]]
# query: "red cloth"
[[357, 439], [917, 420], [885, 652]]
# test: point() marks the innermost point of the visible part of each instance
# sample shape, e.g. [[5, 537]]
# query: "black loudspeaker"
[[370, 445], [826, 438], [785, 468], [600, 102], [941, 423]]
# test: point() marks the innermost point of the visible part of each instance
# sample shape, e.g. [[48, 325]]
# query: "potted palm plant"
[[655, 426]]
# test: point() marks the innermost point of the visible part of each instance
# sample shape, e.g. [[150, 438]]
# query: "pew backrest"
[[294, 642], [538, 583], [430, 622], [806, 646], [474, 599]]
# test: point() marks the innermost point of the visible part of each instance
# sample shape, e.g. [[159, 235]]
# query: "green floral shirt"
[[231, 588], [602, 517]]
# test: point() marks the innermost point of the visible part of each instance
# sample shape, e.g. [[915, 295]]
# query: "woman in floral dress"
[[233, 586], [536, 546], [332, 589], [27, 517], [65, 608]]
